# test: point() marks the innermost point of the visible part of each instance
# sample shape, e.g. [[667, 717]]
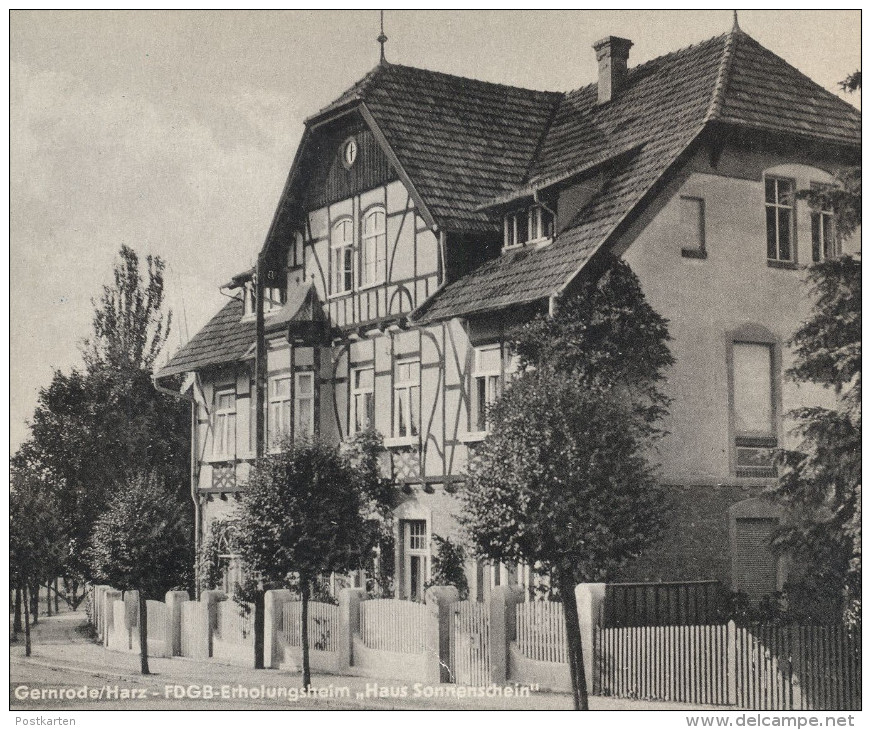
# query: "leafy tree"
[[95, 427], [143, 542], [310, 510], [130, 324], [562, 482], [448, 566], [34, 547]]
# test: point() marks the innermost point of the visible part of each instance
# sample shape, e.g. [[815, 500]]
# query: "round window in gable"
[[349, 152]]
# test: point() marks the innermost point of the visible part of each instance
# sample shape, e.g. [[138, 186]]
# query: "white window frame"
[[819, 217], [303, 404], [378, 240], [224, 424], [534, 227], [273, 436], [411, 549], [362, 391], [342, 258], [411, 388], [777, 206], [492, 380]]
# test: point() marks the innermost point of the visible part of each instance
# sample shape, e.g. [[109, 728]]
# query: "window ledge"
[[373, 285], [472, 436], [782, 264], [694, 253], [398, 441]]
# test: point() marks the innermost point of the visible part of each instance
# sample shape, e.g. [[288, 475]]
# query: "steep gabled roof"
[[662, 108], [465, 144], [461, 141]]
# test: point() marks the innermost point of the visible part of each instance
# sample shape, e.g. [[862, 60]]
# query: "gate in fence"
[[759, 667], [470, 643]]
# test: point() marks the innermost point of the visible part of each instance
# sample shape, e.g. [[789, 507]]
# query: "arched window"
[[342, 256], [373, 253]]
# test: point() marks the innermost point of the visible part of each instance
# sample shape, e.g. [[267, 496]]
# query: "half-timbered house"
[[425, 214]]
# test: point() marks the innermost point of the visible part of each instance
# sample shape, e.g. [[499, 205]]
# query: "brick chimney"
[[612, 53]]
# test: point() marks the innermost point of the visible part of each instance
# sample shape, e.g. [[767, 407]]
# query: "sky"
[[173, 132]]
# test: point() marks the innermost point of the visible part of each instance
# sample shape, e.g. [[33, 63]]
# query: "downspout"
[[198, 529]]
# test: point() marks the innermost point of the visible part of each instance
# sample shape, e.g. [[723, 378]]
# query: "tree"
[[820, 480], [143, 542], [34, 547], [97, 426], [562, 482], [310, 510]]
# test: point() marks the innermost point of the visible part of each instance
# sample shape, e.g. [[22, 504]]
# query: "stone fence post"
[[131, 609], [590, 597], [440, 600], [273, 643], [172, 632], [110, 595], [207, 621], [349, 623], [503, 611]]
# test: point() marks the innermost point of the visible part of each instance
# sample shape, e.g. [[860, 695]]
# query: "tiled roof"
[[765, 92], [663, 107], [466, 143], [461, 141], [224, 339], [229, 338]]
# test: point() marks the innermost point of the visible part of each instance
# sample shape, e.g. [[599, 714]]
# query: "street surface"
[[68, 671]]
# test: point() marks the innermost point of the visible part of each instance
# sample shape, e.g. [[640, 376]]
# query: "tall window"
[[824, 239], [304, 405], [224, 442], [486, 378], [780, 218], [362, 399], [753, 409], [278, 415], [406, 398], [374, 247], [342, 257], [415, 548]]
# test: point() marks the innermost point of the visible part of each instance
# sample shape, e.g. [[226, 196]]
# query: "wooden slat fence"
[[760, 667], [798, 668], [541, 631], [470, 643], [323, 625], [235, 624], [672, 663], [388, 624], [689, 603]]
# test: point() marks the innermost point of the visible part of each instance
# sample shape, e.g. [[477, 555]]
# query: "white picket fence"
[[541, 631], [388, 624], [323, 625]]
